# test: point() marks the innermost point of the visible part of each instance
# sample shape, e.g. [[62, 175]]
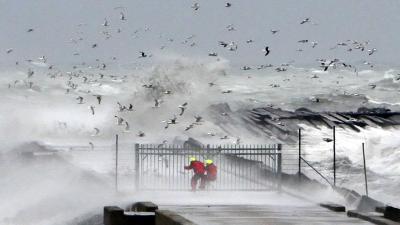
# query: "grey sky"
[[55, 23]]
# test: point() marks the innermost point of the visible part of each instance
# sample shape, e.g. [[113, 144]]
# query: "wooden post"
[[334, 156], [365, 171], [299, 153], [116, 162]]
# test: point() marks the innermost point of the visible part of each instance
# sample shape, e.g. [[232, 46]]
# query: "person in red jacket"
[[199, 173], [211, 171]]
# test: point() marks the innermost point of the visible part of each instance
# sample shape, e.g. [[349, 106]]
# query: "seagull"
[[122, 16], [9, 50], [182, 107], [80, 98], [198, 119], [157, 103], [266, 50], [313, 44], [274, 31], [327, 139], [147, 86], [246, 68], [120, 120], [94, 45], [211, 84], [223, 44], [306, 20], [130, 107], [142, 55], [127, 127], [189, 127], [97, 131], [224, 137], [98, 97], [280, 69], [228, 4], [303, 41], [30, 73], [227, 92], [92, 109], [212, 54], [249, 41], [196, 6], [170, 121], [232, 46], [211, 134], [371, 51], [30, 30], [230, 27], [105, 24], [237, 141], [141, 134]]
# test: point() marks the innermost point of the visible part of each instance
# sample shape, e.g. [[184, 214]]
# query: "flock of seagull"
[[78, 77]]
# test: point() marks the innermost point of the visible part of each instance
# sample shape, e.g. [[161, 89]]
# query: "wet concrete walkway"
[[262, 215]]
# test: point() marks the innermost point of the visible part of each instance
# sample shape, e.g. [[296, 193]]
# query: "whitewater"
[[45, 112]]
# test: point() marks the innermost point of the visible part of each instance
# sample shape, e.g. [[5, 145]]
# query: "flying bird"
[[122, 16], [142, 54], [266, 50], [371, 51], [105, 23], [80, 99], [306, 20], [182, 107], [196, 6], [274, 31], [92, 109]]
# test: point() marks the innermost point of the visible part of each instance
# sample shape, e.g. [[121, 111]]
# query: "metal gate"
[[240, 167]]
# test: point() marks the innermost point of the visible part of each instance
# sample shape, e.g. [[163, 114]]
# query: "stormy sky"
[[151, 24]]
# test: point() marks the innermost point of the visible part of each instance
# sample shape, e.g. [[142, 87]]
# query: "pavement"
[[250, 208], [262, 215]]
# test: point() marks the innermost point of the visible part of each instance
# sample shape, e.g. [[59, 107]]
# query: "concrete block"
[[392, 213], [113, 215], [139, 218], [367, 204], [333, 207], [166, 217], [371, 217], [144, 207]]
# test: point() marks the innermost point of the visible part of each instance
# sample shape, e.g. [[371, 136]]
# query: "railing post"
[[279, 161], [137, 172], [116, 162], [365, 171], [334, 156], [299, 154]]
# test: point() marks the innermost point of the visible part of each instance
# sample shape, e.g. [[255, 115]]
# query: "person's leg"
[[203, 182], [195, 178]]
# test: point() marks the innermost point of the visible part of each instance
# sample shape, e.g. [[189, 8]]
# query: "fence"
[[240, 167]]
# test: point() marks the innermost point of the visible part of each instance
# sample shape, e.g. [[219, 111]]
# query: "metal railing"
[[240, 167]]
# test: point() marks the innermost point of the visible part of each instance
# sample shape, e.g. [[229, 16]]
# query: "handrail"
[[316, 171]]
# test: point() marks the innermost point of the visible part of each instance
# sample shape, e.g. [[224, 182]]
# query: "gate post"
[[279, 161], [137, 172]]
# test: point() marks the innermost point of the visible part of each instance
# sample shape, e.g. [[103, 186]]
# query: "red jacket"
[[197, 166], [211, 172]]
